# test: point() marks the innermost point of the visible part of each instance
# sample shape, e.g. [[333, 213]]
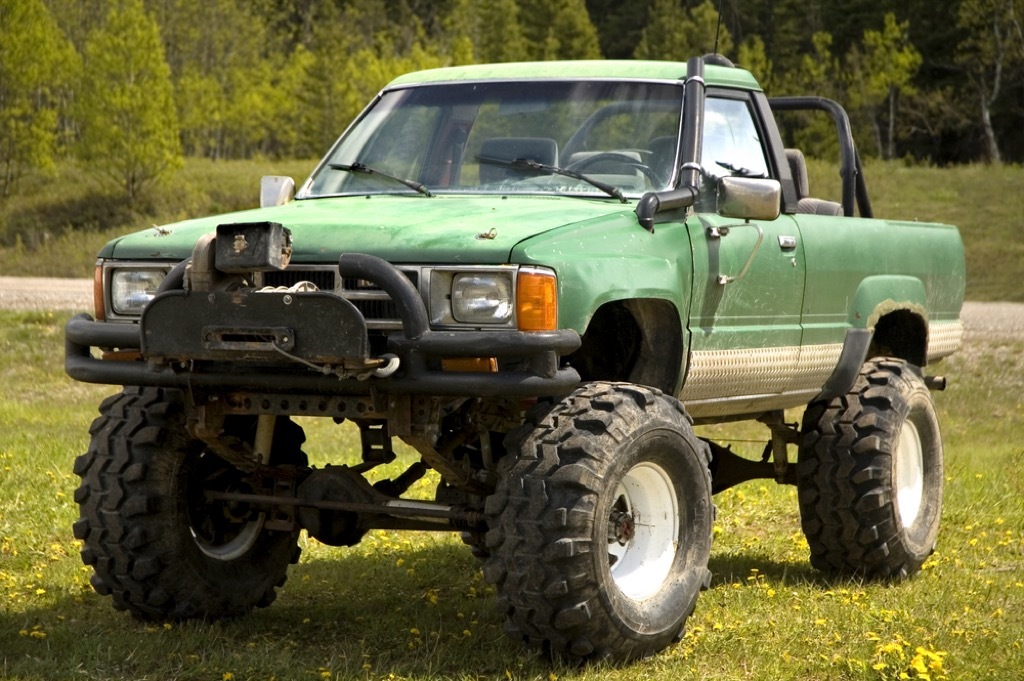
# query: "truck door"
[[748, 285]]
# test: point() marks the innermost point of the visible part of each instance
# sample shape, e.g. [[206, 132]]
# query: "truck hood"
[[450, 229]]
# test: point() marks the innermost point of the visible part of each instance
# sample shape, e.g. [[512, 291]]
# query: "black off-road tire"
[[156, 545], [870, 475], [601, 525]]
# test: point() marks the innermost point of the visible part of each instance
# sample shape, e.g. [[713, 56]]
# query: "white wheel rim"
[[237, 547], [909, 471], [643, 531]]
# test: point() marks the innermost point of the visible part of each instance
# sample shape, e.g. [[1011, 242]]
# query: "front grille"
[[374, 304], [324, 278]]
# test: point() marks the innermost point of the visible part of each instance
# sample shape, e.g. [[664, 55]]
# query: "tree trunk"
[[890, 142], [991, 145]]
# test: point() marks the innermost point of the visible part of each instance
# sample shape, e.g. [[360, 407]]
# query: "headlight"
[[482, 298], [131, 290]]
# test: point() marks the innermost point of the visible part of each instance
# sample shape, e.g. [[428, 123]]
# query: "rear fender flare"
[[883, 294]]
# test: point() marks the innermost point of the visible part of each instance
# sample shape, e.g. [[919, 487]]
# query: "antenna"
[[718, 27]]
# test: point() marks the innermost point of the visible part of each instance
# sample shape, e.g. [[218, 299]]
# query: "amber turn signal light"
[[470, 364], [97, 294], [536, 301]]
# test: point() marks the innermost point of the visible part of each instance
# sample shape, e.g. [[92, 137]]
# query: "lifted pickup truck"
[[540, 277]]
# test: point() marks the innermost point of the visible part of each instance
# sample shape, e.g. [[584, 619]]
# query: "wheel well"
[[902, 334], [639, 341]]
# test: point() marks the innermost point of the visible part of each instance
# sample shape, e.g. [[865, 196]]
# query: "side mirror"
[[749, 198], [276, 190]]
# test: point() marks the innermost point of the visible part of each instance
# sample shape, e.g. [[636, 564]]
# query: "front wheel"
[[870, 475], [157, 544], [601, 525]]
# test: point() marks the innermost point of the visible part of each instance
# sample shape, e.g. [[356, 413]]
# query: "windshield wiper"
[[527, 164], [366, 170], [739, 171]]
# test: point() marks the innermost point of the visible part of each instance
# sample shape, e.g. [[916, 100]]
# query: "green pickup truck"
[[540, 277]]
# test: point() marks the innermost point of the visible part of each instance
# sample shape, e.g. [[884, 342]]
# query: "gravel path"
[[30, 293]]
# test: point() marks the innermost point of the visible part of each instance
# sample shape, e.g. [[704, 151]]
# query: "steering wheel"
[[620, 158]]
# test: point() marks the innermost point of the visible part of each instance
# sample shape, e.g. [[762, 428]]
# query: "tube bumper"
[[267, 342]]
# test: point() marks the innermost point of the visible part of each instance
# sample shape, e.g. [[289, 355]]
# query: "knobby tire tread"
[[541, 521], [844, 480], [130, 528]]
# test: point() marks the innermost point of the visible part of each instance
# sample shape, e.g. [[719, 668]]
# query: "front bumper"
[[268, 342]]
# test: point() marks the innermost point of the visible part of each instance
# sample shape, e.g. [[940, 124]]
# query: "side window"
[[732, 143]]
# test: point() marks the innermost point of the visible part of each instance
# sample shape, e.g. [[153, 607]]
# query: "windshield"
[[509, 138]]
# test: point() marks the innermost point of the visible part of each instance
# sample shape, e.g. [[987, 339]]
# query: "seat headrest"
[[798, 169], [540, 149]]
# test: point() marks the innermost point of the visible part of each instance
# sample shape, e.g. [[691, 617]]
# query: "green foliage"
[[992, 49], [572, 35], [751, 55], [282, 78], [233, 93], [126, 103], [36, 63], [876, 76], [353, 53], [819, 72], [890, 59], [676, 34], [558, 29], [619, 25]]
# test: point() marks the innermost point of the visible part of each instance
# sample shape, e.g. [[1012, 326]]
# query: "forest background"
[[130, 88]]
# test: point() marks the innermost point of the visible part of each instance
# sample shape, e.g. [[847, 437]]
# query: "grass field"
[[414, 606], [57, 224]]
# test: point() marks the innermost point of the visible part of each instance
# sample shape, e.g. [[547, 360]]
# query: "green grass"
[[414, 605], [57, 224]]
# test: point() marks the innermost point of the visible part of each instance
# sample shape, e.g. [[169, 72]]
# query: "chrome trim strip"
[[756, 379], [944, 338], [758, 371]]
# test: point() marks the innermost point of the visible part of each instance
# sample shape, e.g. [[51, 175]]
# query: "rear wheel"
[[158, 546], [601, 525], [870, 475]]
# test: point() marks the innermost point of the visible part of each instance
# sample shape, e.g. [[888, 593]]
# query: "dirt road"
[[29, 293]]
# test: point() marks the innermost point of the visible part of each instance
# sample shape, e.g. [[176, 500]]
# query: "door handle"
[[787, 243]]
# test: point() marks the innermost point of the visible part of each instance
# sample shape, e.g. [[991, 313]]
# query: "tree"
[[558, 29], [993, 42], [619, 25], [675, 33], [818, 73], [665, 36], [485, 32], [36, 60], [785, 26], [356, 51], [878, 72], [751, 55], [225, 66], [129, 124], [461, 29], [572, 35]]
